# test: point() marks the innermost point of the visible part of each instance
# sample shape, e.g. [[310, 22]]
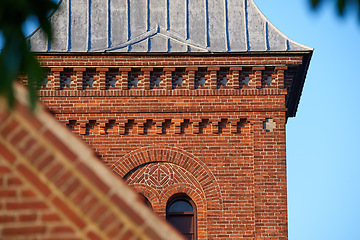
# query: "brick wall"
[[211, 127], [53, 187]]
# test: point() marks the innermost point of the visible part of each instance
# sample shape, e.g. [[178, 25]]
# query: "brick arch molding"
[[179, 157]]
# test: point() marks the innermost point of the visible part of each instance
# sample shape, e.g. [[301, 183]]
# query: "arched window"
[[181, 213]]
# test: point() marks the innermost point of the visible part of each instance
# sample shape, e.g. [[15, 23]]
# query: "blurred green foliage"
[[15, 57], [341, 5]]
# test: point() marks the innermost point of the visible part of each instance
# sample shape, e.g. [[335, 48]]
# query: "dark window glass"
[[180, 206], [181, 213]]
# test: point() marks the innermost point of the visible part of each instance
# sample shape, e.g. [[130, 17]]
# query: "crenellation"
[[169, 79]]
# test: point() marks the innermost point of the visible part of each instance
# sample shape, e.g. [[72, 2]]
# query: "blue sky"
[[323, 140]]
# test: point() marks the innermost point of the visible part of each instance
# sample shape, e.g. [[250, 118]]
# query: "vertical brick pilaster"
[[79, 73], [215, 125], [102, 77], [196, 125], [212, 83], [159, 126], [122, 126], [233, 125], [234, 80], [146, 78], [102, 127], [140, 126], [189, 82], [280, 72], [123, 78], [258, 76], [82, 125], [56, 74], [177, 124], [167, 83]]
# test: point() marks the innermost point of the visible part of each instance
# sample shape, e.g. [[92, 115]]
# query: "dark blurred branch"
[[15, 56], [341, 5]]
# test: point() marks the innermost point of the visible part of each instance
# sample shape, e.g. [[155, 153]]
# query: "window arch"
[[181, 213], [146, 201]]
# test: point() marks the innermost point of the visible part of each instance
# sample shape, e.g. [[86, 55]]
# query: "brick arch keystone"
[[179, 157]]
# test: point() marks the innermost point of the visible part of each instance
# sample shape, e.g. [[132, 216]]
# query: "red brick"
[[93, 236], [6, 154], [7, 193], [80, 196], [45, 162], [27, 217], [30, 205], [57, 69], [151, 233], [28, 193], [72, 216], [51, 217], [27, 146], [14, 181], [115, 230], [4, 170], [18, 137], [9, 128], [29, 116], [98, 213], [6, 219], [129, 235], [102, 69], [79, 69], [127, 210], [107, 221], [59, 145], [96, 180], [4, 114], [36, 154], [34, 179], [12, 231], [61, 230], [53, 170]]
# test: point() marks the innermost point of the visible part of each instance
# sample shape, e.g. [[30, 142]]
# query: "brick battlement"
[[169, 79]]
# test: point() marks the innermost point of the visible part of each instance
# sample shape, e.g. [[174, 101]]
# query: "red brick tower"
[[185, 100]]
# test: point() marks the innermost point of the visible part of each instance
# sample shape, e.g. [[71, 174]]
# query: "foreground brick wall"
[[212, 128], [53, 187]]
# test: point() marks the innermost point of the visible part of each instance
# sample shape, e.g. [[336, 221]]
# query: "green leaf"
[[15, 57], [315, 3], [341, 6]]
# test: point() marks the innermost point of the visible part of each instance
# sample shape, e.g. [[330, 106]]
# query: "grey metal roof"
[[161, 26]]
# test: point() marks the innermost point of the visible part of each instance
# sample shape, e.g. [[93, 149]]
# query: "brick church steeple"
[[187, 101]]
